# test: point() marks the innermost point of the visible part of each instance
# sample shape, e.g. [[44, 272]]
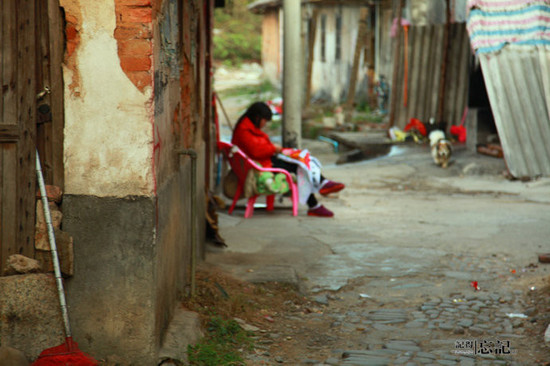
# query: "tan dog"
[[441, 148]]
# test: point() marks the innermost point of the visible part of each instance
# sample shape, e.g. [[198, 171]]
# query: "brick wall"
[[134, 38]]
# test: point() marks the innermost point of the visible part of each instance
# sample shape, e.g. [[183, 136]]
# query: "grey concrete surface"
[[409, 236]]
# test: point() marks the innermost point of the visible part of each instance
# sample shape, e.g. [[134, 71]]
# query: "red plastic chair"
[[241, 165]]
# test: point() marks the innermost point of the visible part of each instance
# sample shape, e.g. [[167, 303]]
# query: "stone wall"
[[30, 315]]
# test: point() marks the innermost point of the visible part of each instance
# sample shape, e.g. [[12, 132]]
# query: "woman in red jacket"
[[255, 143]]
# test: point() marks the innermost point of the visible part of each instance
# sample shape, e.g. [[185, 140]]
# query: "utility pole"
[[292, 76]]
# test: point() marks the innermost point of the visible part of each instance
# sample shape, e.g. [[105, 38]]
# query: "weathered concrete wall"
[[180, 103], [176, 221], [112, 295]]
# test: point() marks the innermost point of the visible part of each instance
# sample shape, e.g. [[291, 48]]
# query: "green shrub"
[[221, 346]]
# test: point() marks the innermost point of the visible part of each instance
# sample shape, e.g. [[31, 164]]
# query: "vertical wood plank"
[[3, 229], [429, 75], [56, 50], [396, 64], [435, 65], [42, 80], [415, 70], [423, 73], [9, 217], [9, 220], [400, 110], [360, 43], [463, 76], [26, 88], [451, 76], [1, 65], [9, 64], [311, 55]]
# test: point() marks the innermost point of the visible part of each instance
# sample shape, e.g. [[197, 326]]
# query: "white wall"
[[331, 77], [108, 121]]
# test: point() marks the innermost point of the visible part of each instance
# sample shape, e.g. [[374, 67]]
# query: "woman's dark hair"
[[256, 112]]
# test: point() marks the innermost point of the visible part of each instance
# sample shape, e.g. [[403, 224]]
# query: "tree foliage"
[[237, 36]]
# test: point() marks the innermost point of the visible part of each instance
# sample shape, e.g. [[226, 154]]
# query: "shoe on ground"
[[330, 186], [320, 211]]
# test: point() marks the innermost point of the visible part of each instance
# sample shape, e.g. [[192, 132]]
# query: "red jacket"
[[253, 142]]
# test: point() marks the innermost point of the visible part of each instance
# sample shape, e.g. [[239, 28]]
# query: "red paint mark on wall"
[[134, 35], [156, 155]]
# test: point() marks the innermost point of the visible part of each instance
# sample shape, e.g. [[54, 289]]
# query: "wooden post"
[[311, 50], [397, 46], [57, 50], [359, 44], [292, 74]]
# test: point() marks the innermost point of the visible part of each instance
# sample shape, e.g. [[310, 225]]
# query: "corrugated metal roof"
[[511, 39], [518, 84]]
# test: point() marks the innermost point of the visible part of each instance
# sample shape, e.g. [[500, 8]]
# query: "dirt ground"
[[281, 310]]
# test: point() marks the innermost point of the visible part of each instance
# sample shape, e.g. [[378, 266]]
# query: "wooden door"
[[17, 128], [31, 114]]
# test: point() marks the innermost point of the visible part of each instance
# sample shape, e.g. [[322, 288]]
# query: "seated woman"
[[255, 143]]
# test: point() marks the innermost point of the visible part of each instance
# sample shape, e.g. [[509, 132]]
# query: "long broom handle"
[[224, 112], [55, 259]]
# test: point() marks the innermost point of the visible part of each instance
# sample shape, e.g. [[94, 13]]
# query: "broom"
[[66, 354]]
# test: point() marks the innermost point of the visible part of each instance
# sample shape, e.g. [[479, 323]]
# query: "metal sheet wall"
[[518, 85], [425, 59]]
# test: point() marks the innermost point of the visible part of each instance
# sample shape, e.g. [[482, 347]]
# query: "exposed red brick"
[[141, 79], [135, 47], [71, 32], [135, 2], [131, 63], [133, 31], [54, 193], [136, 15], [71, 47], [69, 18]]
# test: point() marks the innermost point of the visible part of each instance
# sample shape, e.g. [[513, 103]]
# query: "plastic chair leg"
[[235, 199], [250, 207], [270, 200], [295, 200]]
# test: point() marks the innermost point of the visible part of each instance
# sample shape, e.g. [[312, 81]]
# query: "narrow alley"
[[390, 279]]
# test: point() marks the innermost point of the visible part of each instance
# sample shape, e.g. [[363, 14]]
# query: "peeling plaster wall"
[[108, 130], [136, 89]]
